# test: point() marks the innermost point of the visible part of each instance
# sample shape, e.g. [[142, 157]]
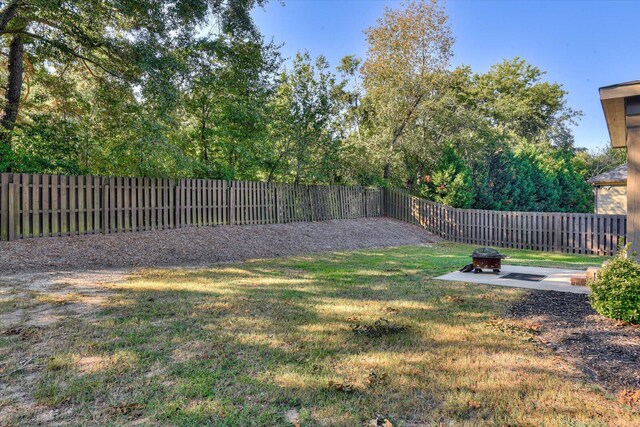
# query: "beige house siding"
[[611, 199]]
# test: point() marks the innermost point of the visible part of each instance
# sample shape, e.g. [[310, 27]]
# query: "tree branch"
[[67, 50], [8, 13]]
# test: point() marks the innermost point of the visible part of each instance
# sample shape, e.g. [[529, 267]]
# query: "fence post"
[[557, 238], [385, 210], [13, 211], [311, 213], [276, 196], [365, 200], [232, 204], [105, 212], [5, 211]]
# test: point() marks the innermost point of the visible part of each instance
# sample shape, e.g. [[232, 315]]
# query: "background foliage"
[[173, 88]]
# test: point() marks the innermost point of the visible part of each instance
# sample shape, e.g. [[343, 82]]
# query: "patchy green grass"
[[272, 342], [459, 255]]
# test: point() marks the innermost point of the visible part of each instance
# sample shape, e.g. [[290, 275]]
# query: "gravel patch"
[[197, 246], [606, 350]]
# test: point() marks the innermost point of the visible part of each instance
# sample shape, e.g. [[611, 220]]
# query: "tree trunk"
[[14, 89], [387, 170], [203, 134], [398, 133]]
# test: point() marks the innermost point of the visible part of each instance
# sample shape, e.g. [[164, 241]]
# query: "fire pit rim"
[[490, 254]]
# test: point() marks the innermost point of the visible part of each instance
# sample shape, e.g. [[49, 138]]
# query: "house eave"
[[613, 99], [609, 184]]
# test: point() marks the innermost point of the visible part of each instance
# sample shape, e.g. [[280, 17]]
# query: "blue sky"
[[580, 44]]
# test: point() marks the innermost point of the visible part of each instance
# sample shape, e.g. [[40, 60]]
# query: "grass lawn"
[[271, 342]]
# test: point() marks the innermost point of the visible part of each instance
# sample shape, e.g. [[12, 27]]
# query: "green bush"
[[616, 291]]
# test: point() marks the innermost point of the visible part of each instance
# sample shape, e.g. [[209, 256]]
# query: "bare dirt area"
[[36, 308], [196, 246], [606, 350], [35, 300]]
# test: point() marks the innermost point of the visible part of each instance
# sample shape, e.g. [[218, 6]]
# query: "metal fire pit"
[[487, 258]]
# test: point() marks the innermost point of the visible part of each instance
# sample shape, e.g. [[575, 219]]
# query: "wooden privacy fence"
[[561, 232], [54, 205]]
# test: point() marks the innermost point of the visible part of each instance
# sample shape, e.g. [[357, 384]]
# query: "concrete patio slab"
[[557, 279]]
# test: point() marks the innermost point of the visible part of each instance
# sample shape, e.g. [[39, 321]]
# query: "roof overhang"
[[608, 183], [614, 102]]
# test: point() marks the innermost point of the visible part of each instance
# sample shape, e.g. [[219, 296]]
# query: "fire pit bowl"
[[487, 258]]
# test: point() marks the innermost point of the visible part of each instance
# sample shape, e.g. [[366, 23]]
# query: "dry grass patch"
[[276, 342]]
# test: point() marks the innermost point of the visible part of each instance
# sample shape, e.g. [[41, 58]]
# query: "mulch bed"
[[196, 246], [606, 350]]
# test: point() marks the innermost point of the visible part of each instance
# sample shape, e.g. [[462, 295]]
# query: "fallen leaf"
[[474, 404], [341, 386], [629, 397]]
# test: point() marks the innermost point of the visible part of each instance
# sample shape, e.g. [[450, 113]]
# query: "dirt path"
[[203, 245]]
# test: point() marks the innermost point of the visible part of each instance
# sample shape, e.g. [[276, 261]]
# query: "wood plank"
[[139, 197], [172, 203], [191, 200], [201, 202], [248, 208], [133, 204], [97, 184], [81, 199], [46, 205], [4, 206], [266, 203], [249, 202], [215, 202], [25, 205], [179, 203], [64, 211], [112, 205], [13, 203], [166, 200], [207, 198], [126, 188], [613, 233], [146, 204], [240, 202], [276, 203], [88, 186], [224, 194], [118, 205], [35, 204], [73, 205], [232, 203], [55, 205], [245, 202], [153, 224], [105, 206], [218, 202]]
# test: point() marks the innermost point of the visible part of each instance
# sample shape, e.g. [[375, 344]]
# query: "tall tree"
[[520, 104], [307, 131], [408, 54], [594, 162], [122, 39], [228, 103]]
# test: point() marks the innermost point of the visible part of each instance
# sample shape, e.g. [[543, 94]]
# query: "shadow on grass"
[[244, 344]]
